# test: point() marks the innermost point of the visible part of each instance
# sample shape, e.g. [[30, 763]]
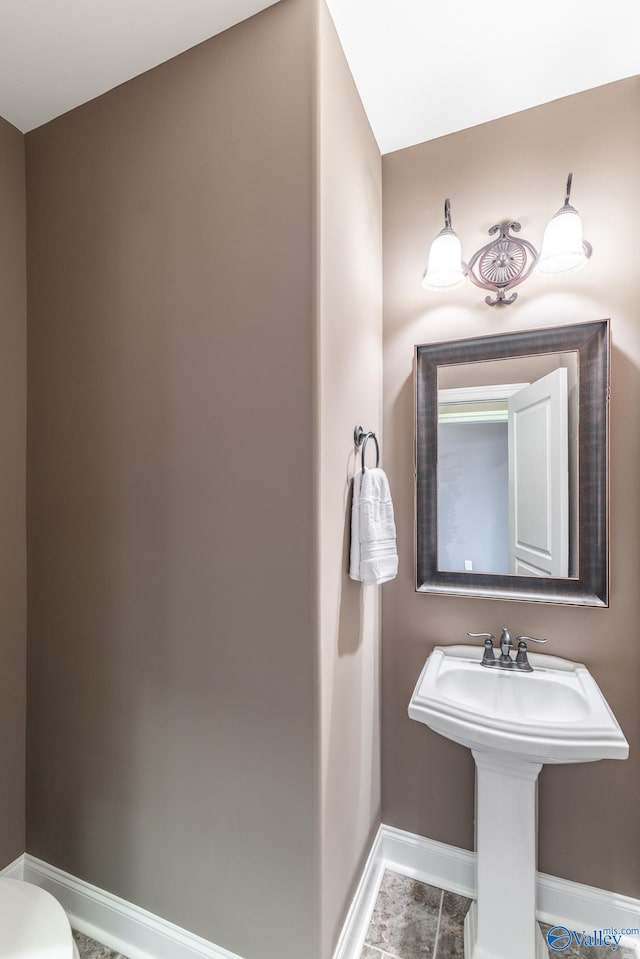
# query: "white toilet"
[[33, 925]]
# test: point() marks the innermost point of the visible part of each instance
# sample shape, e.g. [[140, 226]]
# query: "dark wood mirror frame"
[[591, 586]]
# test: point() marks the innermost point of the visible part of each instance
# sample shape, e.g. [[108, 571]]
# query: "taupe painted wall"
[[13, 429], [350, 391], [516, 168], [172, 735]]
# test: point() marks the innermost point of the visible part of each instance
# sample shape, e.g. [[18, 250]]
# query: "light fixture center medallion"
[[503, 261], [502, 264]]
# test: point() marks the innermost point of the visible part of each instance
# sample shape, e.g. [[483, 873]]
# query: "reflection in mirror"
[[508, 466], [511, 465]]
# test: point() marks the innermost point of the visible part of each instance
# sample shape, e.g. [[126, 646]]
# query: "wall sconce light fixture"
[[507, 260]]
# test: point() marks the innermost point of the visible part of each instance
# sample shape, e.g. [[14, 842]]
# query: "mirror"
[[511, 465], [507, 465]]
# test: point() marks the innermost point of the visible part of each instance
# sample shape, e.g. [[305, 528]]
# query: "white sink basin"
[[556, 714]]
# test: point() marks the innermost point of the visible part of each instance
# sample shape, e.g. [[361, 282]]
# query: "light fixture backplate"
[[503, 263]]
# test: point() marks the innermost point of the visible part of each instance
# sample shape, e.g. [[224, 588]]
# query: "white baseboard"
[[119, 924], [15, 869], [559, 901], [139, 934], [358, 918], [429, 861], [584, 907]]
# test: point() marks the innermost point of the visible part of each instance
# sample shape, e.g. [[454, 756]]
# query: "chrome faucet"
[[506, 643], [505, 661]]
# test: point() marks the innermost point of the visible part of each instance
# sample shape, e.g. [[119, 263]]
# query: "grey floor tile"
[[450, 943], [90, 949], [451, 933], [370, 953], [405, 918], [454, 907]]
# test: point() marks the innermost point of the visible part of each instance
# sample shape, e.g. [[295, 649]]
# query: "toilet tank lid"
[[33, 923]]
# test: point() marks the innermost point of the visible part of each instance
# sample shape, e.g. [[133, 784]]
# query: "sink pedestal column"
[[502, 923]]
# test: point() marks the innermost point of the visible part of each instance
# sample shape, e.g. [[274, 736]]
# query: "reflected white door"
[[539, 478]]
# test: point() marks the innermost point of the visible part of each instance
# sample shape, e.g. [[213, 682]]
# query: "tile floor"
[[414, 921], [90, 949], [411, 920]]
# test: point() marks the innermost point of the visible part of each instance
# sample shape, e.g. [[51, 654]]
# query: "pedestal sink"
[[513, 722]]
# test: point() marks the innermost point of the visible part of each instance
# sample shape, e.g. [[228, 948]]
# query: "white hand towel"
[[375, 527], [354, 559]]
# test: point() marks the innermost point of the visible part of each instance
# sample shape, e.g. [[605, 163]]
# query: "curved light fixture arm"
[[447, 215], [588, 249], [567, 194]]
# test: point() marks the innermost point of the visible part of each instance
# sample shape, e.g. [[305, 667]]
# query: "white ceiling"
[[57, 54], [423, 68]]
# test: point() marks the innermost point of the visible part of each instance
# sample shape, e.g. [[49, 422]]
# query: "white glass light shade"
[[444, 269], [563, 248]]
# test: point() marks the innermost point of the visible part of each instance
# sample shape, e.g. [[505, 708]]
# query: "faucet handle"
[[488, 657], [522, 660], [530, 639]]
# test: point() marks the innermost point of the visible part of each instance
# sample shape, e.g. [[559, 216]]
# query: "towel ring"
[[361, 438]]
